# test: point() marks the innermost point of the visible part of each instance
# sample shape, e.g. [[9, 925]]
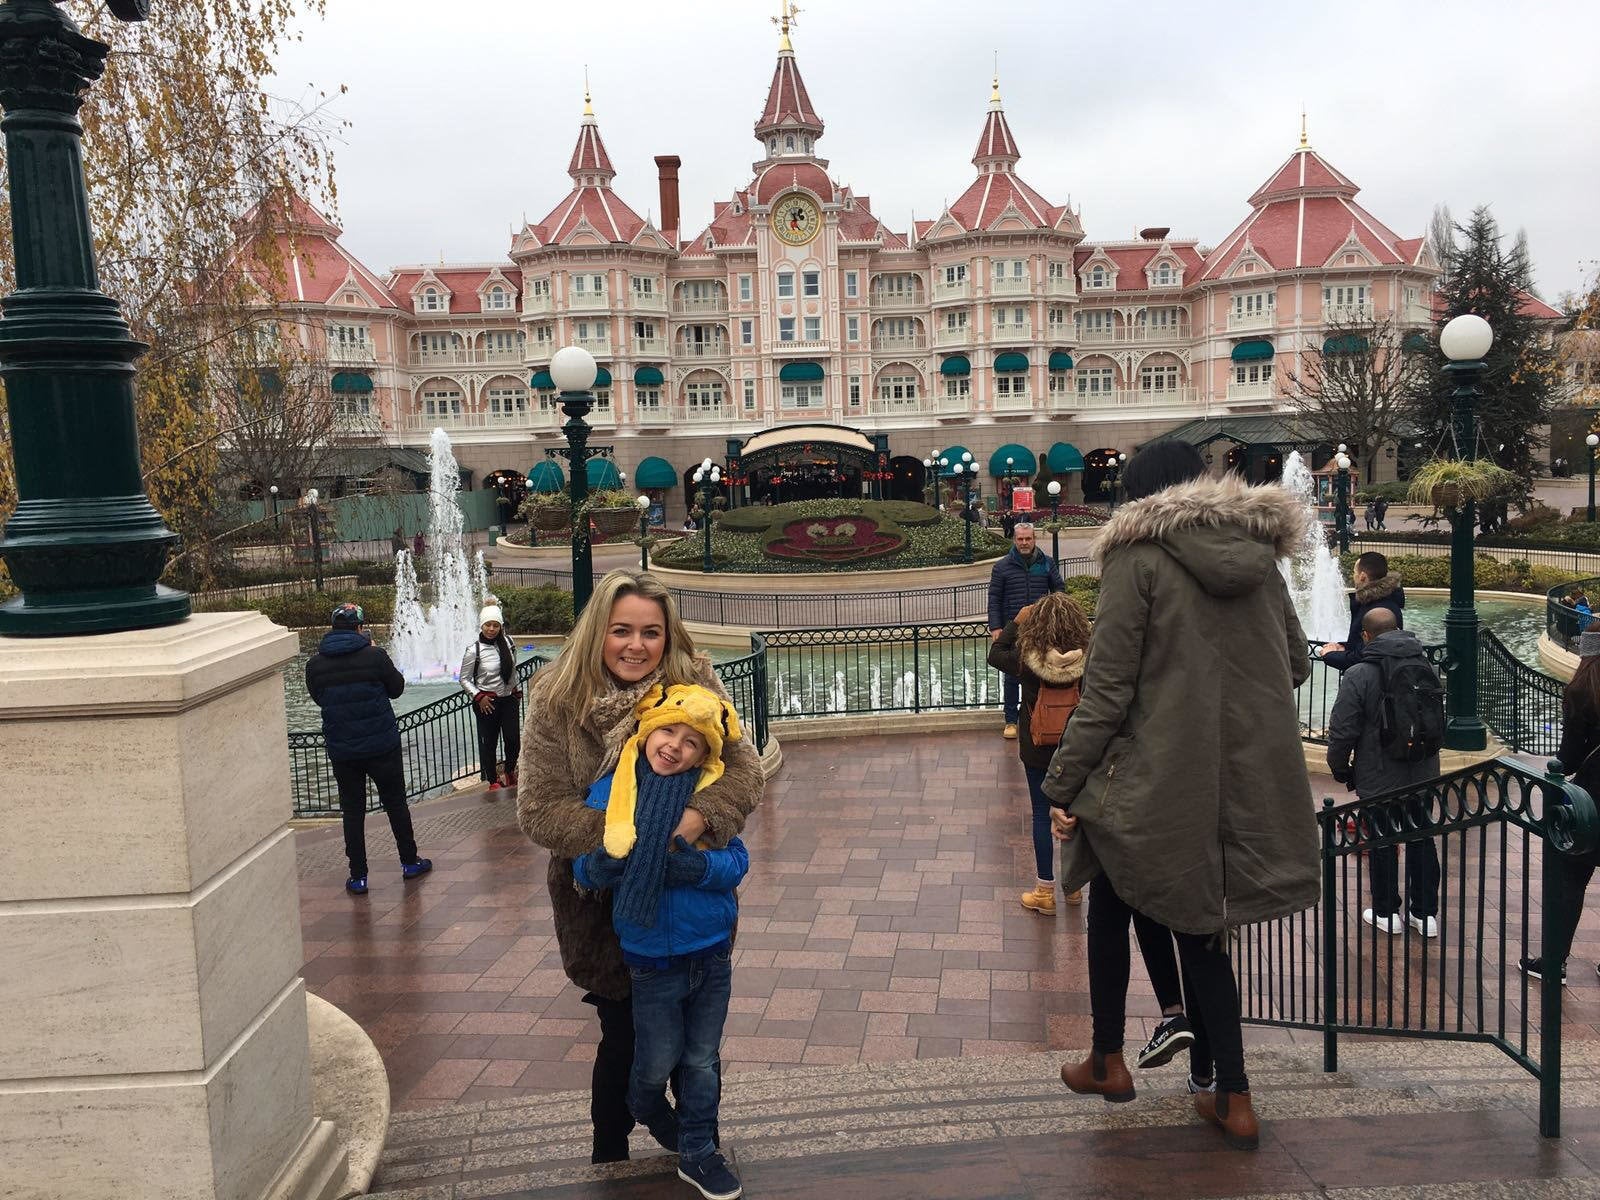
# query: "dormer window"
[[788, 143], [1164, 276], [772, 145], [1099, 277], [431, 300], [496, 299]]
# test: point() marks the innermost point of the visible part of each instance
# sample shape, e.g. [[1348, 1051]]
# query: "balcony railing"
[[536, 304], [702, 414], [943, 292], [652, 414], [1250, 391], [1013, 403], [651, 301], [345, 355], [960, 336], [1060, 287], [1010, 287], [899, 341], [497, 354], [367, 424], [463, 357], [1252, 320], [914, 298], [588, 300], [1129, 334], [718, 349], [532, 418], [1347, 313], [649, 346], [1096, 335], [595, 345], [701, 304], [1122, 398], [1013, 333], [903, 407], [953, 405], [799, 347]]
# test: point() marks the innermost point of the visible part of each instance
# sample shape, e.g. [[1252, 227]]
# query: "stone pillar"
[[152, 1022]]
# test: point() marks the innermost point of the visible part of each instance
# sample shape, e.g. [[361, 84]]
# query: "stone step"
[[533, 1144]]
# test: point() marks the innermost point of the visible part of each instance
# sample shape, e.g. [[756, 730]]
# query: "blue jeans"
[[678, 1014], [1011, 692], [1044, 849]]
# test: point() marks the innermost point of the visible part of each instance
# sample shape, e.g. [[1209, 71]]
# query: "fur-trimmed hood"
[[1378, 589], [1224, 532], [1057, 668]]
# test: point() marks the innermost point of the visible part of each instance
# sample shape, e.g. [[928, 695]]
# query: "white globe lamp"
[[573, 369], [1466, 338]]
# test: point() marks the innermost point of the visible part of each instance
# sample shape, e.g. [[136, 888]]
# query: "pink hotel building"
[[997, 323]]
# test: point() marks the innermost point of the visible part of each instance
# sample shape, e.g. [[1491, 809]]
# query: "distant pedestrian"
[[1584, 610], [1381, 510], [489, 676], [1024, 575], [419, 545], [1392, 727], [397, 542], [1370, 515], [352, 681]]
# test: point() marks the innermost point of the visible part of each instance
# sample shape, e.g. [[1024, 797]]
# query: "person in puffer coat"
[[1024, 575], [1181, 784], [352, 681], [1376, 587]]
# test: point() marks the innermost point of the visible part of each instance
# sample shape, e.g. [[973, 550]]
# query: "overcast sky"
[[463, 115]]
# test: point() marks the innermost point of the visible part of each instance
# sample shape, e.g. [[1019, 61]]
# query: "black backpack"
[[1411, 715]]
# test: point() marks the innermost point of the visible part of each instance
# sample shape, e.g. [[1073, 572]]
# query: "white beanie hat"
[[491, 612]]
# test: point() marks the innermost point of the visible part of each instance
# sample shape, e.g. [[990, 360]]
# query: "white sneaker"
[[1392, 925], [1426, 926]]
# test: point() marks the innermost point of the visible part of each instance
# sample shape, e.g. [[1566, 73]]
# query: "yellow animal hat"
[[681, 704]]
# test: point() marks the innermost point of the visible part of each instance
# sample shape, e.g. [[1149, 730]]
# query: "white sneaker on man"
[[1392, 924], [1426, 926]]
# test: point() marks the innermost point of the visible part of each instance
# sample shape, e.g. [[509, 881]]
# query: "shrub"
[[536, 609], [1394, 492], [312, 609]]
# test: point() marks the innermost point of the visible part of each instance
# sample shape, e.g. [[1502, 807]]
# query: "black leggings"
[[1576, 871], [501, 721], [388, 774]]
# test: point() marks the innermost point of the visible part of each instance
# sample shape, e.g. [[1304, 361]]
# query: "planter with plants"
[[1448, 483], [550, 512], [613, 511]]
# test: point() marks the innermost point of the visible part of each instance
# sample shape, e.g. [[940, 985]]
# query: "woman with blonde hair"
[[580, 712]]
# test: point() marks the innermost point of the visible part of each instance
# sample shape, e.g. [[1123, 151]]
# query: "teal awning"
[[602, 377], [800, 372], [546, 477], [603, 473], [1416, 342], [956, 364], [951, 455], [1011, 360], [1064, 457], [1347, 343], [542, 382], [1254, 350], [648, 377], [1023, 462], [1060, 360], [655, 472], [355, 382]]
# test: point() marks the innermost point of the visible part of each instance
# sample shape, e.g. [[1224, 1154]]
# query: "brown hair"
[[1056, 622], [579, 674], [1583, 690]]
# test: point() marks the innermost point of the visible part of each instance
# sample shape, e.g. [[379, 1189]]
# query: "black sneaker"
[[711, 1177], [1533, 968], [1171, 1036]]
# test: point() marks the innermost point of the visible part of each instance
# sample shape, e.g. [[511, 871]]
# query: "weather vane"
[[787, 12]]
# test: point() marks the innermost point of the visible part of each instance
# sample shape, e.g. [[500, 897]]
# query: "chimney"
[[1155, 233], [667, 172]]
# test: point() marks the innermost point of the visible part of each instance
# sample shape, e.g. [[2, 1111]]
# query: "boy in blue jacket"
[[674, 912]]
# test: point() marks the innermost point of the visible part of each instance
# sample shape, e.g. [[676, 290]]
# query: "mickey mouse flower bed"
[[833, 535]]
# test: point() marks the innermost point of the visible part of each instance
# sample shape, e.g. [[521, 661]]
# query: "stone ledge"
[[350, 1088]]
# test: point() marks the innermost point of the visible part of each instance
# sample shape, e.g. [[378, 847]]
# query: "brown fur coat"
[[562, 754]]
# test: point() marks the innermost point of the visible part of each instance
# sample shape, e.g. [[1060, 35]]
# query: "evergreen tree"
[[1521, 379], [1442, 239]]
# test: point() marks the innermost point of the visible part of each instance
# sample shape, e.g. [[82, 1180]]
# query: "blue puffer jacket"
[[1014, 584], [352, 681], [689, 919]]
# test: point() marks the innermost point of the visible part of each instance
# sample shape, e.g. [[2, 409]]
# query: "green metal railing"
[[1520, 704], [1562, 621], [1498, 826], [879, 669], [439, 741]]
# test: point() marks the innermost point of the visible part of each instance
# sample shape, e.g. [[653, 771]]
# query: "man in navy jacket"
[[1024, 575], [1376, 587], [353, 682]]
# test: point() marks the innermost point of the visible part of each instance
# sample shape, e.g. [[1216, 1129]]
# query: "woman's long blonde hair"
[[1056, 622], [579, 674]]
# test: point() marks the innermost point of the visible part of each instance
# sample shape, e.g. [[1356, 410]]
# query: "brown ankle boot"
[[1100, 1075], [1233, 1114]]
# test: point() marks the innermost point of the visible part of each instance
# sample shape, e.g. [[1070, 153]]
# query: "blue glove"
[[604, 872], [686, 866]]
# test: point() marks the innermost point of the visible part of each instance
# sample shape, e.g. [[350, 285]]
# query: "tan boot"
[[1232, 1113], [1075, 897], [1100, 1075], [1042, 898], [1009, 732]]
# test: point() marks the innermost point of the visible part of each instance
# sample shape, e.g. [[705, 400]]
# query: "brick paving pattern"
[[879, 924]]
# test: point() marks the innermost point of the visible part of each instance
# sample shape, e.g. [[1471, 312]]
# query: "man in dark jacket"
[[1024, 575], [353, 681], [1375, 587], [1353, 728]]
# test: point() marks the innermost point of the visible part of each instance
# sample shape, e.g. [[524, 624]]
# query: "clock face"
[[796, 219]]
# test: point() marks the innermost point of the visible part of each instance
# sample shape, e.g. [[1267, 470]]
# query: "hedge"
[[528, 610], [1515, 575]]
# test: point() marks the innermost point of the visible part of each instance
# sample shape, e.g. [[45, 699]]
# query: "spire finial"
[[785, 18], [1304, 144], [994, 94], [588, 108]]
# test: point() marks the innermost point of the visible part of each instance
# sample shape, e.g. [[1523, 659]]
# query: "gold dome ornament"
[[796, 219]]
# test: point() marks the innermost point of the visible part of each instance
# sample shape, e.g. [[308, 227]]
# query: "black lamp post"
[[964, 472], [574, 371], [313, 513], [1341, 510], [1116, 478], [276, 528], [1010, 488], [1054, 488], [85, 545], [644, 532], [1464, 340], [1591, 441], [708, 479]]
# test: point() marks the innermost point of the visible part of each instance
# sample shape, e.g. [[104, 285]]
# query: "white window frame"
[[646, 399], [852, 329], [431, 300], [749, 395], [508, 401], [1255, 304], [1159, 378], [852, 285], [703, 395], [1096, 381], [801, 395], [747, 331], [855, 391], [812, 329], [897, 387], [1011, 383], [496, 299], [786, 329], [954, 274], [958, 387], [442, 403], [811, 284], [785, 285], [746, 289]]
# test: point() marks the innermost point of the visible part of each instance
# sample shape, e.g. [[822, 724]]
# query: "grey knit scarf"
[[662, 799]]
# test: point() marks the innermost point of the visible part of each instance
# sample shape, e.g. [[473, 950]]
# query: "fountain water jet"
[[427, 642], [1315, 581]]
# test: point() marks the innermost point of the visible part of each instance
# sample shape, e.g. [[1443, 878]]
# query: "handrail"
[[1562, 621]]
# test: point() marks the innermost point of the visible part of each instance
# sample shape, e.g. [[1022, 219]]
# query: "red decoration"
[[835, 539]]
